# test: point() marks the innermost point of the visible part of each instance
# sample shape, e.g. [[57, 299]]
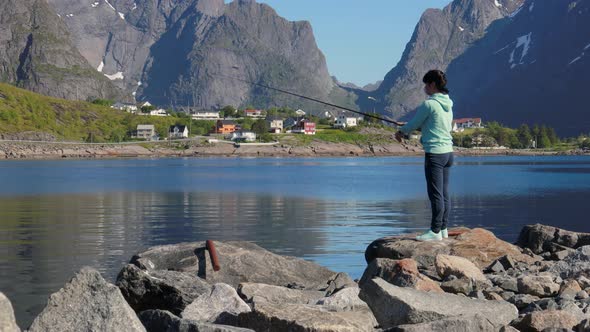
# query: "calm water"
[[57, 216]]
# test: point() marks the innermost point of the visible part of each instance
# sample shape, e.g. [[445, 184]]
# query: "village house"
[[147, 132], [304, 127], [158, 112], [464, 123], [344, 121], [131, 108], [243, 136], [178, 131], [224, 127], [145, 104], [275, 124], [254, 113], [205, 115]]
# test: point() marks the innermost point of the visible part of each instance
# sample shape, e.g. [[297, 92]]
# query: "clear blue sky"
[[361, 39]]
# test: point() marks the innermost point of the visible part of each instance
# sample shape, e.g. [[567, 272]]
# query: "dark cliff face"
[[171, 51], [530, 68], [249, 41], [439, 37], [36, 53]]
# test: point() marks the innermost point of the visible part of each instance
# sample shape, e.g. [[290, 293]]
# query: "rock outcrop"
[[7, 320], [87, 303]]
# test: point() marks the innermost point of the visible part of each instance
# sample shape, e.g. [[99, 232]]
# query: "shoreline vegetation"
[[471, 281]]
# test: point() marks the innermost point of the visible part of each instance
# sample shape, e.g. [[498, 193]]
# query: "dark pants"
[[437, 167]]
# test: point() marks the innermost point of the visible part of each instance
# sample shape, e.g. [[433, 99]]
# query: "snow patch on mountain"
[[100, 66], [117, 76]]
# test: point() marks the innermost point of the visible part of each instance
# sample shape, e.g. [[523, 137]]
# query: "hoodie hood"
[[444, 100]]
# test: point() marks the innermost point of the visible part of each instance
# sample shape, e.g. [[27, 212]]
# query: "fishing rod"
[[312, 99]]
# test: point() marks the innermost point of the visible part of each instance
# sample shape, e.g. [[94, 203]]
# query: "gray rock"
[[541, 286], [305, 318], [221, 306], [240, 262], [506, 295], [583, 282], [522, 301], [575, 265], [536, 236], [255, 293], [460, 267], [495, 267], [581, 295], [394, 306], [402, 273], [159, 289], [508, 329], [7, 320], [456, 286], [542, 320], [165, 321], [345, 300], [506, 283], [340, 281], [87, 303], [455, 324]]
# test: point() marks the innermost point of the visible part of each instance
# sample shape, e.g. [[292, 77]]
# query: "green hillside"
[[25, 111]]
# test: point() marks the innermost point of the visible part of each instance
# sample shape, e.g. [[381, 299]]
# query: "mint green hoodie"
[[435, 118]]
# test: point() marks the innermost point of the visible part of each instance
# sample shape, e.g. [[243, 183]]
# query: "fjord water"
[[57, 216]]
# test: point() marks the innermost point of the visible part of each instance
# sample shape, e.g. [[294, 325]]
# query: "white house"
[[243, 136], [300, 112], [159, 112], [145, 104], [147, 132], [178, 131], [343, 121], [464, 123], [131, 108], [275, 124], [205, 115]]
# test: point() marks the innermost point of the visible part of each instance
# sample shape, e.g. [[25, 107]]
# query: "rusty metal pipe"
[[213, 255]]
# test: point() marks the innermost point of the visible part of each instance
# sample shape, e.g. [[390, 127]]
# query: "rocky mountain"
[[176, 52], [529, 68], [36, 53], [439, 37]]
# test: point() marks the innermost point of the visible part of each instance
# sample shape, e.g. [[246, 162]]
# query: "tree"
[[228, 111], [103, 102], [524, 136], [260, 127], [544, 141], [147, 109]]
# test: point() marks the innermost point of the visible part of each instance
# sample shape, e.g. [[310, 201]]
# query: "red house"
[[304, 127]]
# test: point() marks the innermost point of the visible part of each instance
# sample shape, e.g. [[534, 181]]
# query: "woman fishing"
[[435, 118]]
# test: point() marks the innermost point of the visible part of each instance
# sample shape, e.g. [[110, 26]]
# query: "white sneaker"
[[430, 236], [444, 233]]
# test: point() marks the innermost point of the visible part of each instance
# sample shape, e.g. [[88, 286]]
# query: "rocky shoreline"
[[34, 150], [472, 281]]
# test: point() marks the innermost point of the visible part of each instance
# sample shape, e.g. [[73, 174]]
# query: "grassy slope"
[[22, 110]]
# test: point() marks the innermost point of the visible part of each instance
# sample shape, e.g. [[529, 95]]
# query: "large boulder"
[[239, 261], [454, 324], [541, 286], [541, 238], [447, 265], [221, 306], [305, 318], [253, 292], [160, 289], [7, 320], [393, 306], [542, 320], [87, 303], [165, 321], [402, 273], [477, 245]]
